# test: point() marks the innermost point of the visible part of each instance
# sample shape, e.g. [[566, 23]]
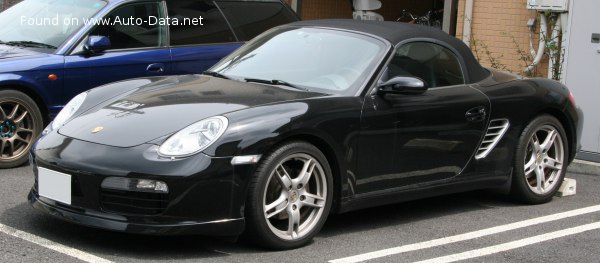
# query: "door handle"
[[476, 114], [156, 68]]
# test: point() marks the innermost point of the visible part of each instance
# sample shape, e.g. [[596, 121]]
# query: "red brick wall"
[[320, 9], [493, 24]]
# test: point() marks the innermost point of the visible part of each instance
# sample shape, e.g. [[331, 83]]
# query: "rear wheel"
[[289, 197], [20, 124], [541, 160]]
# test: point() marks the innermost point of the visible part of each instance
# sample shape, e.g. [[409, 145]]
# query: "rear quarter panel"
[[520, 101]]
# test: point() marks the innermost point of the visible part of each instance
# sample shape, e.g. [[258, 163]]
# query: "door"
[[582, 78], [195, 48], [412, 139], [137, 50]]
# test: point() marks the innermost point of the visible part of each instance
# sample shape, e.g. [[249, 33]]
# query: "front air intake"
[[495, 132], [135, 203]]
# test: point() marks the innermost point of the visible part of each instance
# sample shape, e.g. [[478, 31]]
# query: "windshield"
[[45, 23], [315, 59]]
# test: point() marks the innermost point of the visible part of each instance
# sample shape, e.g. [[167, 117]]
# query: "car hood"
[[7, 52], [15, 59], [167, 106]]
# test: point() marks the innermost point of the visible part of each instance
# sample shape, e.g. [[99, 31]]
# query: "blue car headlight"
[[194, 138]]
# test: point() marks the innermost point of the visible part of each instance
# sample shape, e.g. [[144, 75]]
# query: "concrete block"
[[567, 188]]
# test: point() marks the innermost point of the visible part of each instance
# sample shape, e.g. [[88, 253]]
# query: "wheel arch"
[[567, 125], [30, 92], [328, 150]]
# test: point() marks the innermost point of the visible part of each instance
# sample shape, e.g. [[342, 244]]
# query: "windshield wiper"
[[215, 74], [29, 44], [275, 82]]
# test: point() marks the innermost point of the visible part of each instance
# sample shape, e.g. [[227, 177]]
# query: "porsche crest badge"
[[97, 129]]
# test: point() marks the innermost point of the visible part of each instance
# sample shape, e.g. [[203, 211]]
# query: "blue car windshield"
[[316, 59], [45, 23]]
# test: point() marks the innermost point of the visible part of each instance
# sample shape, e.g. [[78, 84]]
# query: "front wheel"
[[541, 160], [20, 124], [289, 197]]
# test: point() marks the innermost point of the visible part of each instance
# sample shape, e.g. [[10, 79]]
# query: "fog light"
[[137, 185]]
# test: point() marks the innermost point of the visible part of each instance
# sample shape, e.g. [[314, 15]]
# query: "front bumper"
[[206, 194], [224, 227]]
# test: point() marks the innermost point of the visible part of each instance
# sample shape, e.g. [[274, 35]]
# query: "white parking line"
[[466, 236], [52, 245], [514, 244]]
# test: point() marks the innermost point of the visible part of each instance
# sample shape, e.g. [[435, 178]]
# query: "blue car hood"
[[18, 59], [7, 52]]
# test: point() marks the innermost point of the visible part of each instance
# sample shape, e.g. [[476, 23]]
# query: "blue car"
[[51, 50]]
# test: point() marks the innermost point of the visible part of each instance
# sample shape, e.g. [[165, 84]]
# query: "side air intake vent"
[[494, 133]]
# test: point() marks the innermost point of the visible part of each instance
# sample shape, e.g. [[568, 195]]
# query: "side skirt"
[[410, 193]]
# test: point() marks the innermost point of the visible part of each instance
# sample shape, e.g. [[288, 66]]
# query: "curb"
[[584, 167]]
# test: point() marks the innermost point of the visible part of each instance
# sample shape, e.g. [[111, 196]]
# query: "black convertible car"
[[305, 120]]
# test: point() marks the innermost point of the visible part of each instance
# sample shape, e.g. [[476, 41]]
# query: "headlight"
[[68, 111], [194, 138]]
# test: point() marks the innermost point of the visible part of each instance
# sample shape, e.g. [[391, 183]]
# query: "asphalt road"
[[29, 236]]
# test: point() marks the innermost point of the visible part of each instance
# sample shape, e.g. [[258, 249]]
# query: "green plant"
[[474, 43], [480, 49], [554, 47], [524, 56], [554, 51]]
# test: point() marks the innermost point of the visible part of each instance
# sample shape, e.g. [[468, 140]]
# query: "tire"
[[539, 158], [308, 201], [20, 125]]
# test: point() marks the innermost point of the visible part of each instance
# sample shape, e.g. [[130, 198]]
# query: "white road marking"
[[78, 254], [466, 236], [514, 244]]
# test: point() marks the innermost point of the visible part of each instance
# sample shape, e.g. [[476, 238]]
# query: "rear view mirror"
[[403, 85], [96, 44]]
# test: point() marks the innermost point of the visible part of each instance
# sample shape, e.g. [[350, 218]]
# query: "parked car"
[[52, 50], [308, 119]]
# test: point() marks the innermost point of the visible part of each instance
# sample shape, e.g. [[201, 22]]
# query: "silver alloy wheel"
[[292, 206], [544, 161], [16, 129]]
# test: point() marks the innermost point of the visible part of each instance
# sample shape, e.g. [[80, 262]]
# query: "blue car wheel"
[[20, 123]]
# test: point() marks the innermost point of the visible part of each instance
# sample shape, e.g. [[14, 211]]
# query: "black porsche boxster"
[[307, 119]]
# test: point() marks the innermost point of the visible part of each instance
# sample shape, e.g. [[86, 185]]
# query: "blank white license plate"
[[54, 185]]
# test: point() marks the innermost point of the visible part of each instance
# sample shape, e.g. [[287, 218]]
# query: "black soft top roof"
[[396, 32]]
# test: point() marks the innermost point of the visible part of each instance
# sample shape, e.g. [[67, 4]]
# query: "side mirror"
[[96, 44], [403, 85]]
